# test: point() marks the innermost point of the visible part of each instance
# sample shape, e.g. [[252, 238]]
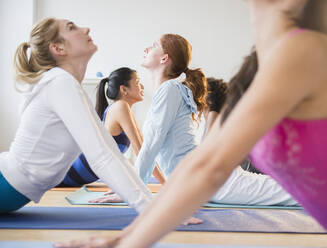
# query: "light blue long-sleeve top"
[[169, 135], [168, 129]]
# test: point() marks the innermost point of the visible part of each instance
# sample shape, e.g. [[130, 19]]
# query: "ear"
[[123, 90], [164, 59], [57, 49]]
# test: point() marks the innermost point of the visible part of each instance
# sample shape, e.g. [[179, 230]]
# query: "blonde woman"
[[58, 121]]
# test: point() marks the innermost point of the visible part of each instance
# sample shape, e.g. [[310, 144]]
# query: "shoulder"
[[120, 108], [306, 47], [120, 105], [170, 85], [169, 89], [59, 78], [299, 57]]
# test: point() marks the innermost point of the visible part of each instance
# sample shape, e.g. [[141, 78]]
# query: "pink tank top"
[[294, 153]]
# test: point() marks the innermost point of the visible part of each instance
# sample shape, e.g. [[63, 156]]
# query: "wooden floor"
[[56, 198]]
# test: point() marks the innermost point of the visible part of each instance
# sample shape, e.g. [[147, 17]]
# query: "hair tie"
[[28, 51], [185, 71]]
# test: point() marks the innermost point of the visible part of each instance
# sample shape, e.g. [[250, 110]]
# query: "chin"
[[95, 48], [92, 51], [145, 64]]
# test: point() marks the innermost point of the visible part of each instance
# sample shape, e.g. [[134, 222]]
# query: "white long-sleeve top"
[[58, 122]]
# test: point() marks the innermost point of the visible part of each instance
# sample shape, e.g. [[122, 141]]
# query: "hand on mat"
[[113, 198], [109, 192], [94, 242], [192, 221]]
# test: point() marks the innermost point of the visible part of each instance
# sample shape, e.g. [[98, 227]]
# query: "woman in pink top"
[[285, 109]]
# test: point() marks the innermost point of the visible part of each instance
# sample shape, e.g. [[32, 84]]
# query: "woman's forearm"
[[176, 201], [158, 174]]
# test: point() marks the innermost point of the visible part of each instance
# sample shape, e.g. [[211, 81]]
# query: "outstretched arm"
[[163, 114], [127, 122], [69, 101], [277, 90]]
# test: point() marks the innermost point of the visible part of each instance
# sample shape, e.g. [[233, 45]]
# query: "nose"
[[142, 86], [87, 30], [146, 50]]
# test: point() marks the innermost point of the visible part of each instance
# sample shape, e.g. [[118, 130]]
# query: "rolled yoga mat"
[[83, 195], [112, 218]]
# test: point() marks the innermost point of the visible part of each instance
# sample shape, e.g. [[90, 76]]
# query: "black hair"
[[217, 92], [240, 82], [119, 77], [238, 85]]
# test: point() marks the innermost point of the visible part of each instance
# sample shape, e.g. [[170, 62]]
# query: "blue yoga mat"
[[83, 195], [215, 220], [30, 244]]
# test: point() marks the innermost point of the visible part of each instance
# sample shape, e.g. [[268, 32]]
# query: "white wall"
[[16, 19], [218, 30]]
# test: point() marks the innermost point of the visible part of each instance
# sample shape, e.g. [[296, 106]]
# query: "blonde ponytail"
[[32, 59]]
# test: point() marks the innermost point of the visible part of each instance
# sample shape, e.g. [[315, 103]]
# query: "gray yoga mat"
[[83, 195]]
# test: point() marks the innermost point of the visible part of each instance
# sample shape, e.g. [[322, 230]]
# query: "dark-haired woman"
[[242, 186], [124, 89], [216, 98], [238, 84]]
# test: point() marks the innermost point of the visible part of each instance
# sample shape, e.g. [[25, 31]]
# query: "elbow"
[[215, 174]]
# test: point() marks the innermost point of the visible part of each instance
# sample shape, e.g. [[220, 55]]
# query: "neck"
[[269, 25], [77, 69], [157, 77], [129, 101]]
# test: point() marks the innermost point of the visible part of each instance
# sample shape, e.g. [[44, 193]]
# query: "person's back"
[[121, 139], [178, 124], [42, 141]]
